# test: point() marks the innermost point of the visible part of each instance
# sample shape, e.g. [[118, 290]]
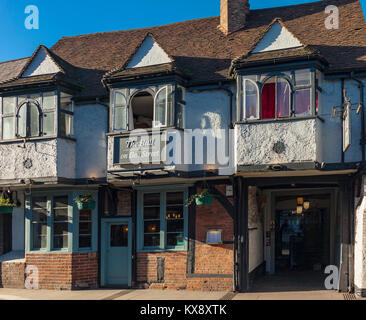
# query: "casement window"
[[60, 225], [162, 220], [35, 115], [66, 116], [39, 222], [283, 95], [54, 223], [143, 108], [275, 98]]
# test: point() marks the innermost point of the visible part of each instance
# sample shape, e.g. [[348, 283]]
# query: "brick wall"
[[65, 271], [175, 269], [209, 259], [12, 275], [214, 259], [85, 270], [124, 204]]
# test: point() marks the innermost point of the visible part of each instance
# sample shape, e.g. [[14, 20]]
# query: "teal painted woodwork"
[[116, 260], [181, 245], [73, 222]]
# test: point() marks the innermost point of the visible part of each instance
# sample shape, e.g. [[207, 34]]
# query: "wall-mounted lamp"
[[299, 209]]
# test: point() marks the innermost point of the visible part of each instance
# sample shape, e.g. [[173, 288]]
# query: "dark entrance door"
[[302, 240], [5, 233]]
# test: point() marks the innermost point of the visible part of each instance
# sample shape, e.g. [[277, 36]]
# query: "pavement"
[[156, 295]]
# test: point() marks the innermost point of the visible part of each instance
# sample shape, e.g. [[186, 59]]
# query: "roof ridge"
[[136, 29], [204, 18]]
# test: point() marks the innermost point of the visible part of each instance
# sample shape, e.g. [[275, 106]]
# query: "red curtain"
[[268, 101]]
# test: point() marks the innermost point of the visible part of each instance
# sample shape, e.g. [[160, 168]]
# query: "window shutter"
[[120, 120], [161, 106]]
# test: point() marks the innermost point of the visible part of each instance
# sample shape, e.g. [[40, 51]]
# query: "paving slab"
[[155, 295], [22, 294], [291, 295]]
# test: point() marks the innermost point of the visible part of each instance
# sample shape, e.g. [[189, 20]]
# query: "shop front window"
[[39, 223], [60, 222], [163, 220]]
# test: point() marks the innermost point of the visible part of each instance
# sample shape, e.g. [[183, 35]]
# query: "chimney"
[[233, 15]]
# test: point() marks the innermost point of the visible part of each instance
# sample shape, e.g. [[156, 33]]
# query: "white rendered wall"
[[255, 142], [41, 64], [277, 38], [49, 158], [256, 252], [91, 127], [149, 54], [360, 246]]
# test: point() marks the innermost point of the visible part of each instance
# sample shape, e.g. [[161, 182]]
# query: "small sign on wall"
[[229, 191], [347, 128], [214, 236]]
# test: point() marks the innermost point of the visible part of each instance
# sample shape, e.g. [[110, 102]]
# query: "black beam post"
[[243, 235]]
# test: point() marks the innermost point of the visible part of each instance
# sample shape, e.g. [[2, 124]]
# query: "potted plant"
[[85, 202], [202, 198], [6, 206]]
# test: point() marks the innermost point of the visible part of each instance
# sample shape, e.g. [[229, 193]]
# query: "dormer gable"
[[41, 63], [150, 53], [278, 37]]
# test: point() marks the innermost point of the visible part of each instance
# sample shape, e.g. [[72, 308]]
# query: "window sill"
[[149, 130], [62, 251], [163, 250], [36, 139], [279, 120]]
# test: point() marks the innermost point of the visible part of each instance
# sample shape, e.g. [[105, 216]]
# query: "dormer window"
[[142, 108], [279, 95], [34, 115]]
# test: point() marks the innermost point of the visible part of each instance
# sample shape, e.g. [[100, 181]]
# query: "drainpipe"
[[361, 86], [342, 101]]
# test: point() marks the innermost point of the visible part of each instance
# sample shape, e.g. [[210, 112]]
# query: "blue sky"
[[72, 17]]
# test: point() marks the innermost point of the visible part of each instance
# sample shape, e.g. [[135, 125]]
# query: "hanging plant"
[[6, 205], [85, 202], [202, 198]]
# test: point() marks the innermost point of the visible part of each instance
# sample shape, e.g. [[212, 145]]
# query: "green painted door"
[[117, 253]]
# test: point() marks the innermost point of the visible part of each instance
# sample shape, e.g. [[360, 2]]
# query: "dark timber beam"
[[223, 200]]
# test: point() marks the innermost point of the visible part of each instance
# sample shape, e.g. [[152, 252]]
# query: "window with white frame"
[[142, 109], [283, 95]]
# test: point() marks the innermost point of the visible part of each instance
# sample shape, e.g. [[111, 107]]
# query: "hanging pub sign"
[[347, 127], [144, 148]]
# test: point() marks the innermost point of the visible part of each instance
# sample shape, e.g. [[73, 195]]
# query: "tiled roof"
[[204, 53], [160, 69], [11, 69]]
